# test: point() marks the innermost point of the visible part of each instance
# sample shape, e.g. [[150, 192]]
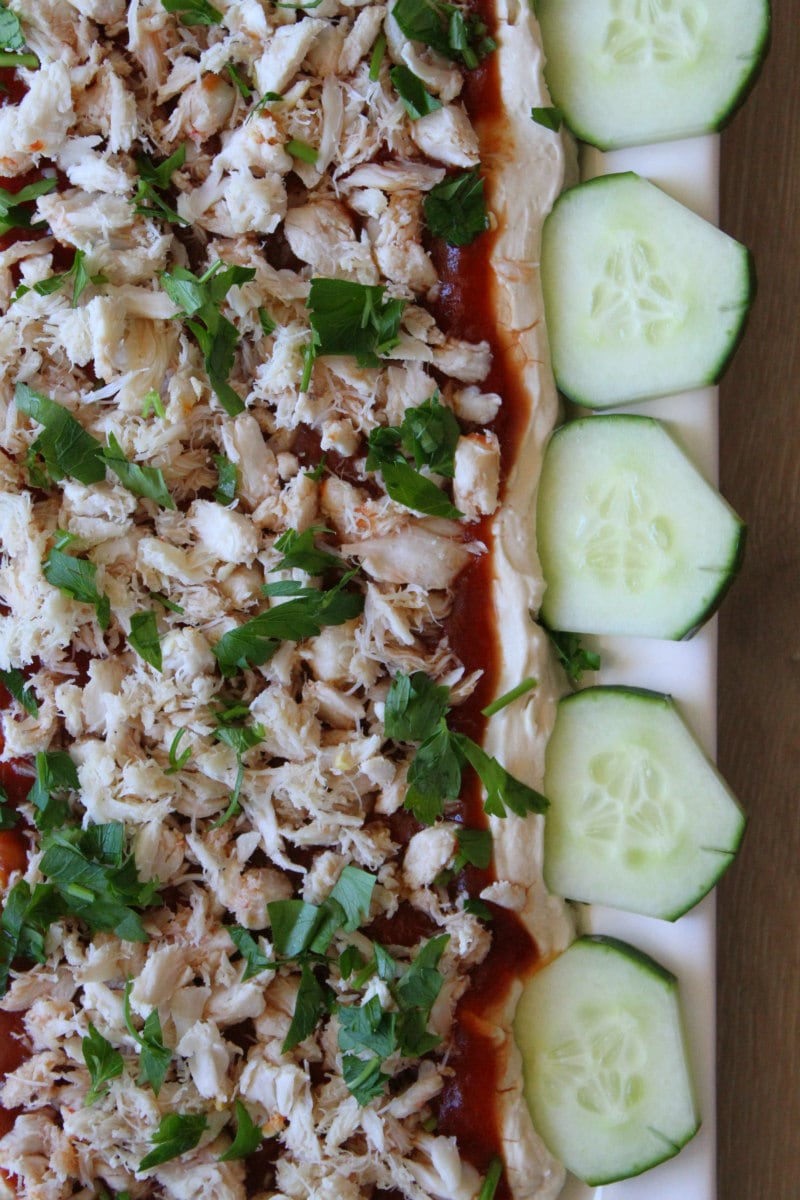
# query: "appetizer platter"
[[357, 784]]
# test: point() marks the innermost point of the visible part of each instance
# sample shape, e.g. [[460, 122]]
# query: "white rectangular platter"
[[689, 171]]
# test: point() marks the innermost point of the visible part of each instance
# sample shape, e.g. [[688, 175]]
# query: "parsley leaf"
[[353, 891], [263, 101], [249, 1136], [240, 739], [152, 402], [363, 1077], [403, 482], [244, 90], [77, 273], [417, 100], [9, 817], [154, 1056], [311, 1003], [455, 209], [96, 880], [27, 915], [378, 51], [414, 706], [55, 772], [65, 446], [166, 603], [510, 696], [11, 36], [103, 1061], [573, 656], [75, 577], [255, 959], [140, 481], [14, 682], [154, 179], [503, 790], [177, 1132], [254, 642], [17, 208], [429, 433], [144, 639], [353, 319], [298, 550], [474, 848], [200, 299], [477, 908], [193, 12], [550, 118], [458, 35], [227, 479]]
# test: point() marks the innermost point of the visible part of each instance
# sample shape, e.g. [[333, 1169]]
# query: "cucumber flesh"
[[643, 297], [638, 819], [632, 539], [606, 1078], [631, 72]]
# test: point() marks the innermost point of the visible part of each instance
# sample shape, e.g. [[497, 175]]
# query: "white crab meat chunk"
[[203, 109], [415, 555], [209, 1058], [245, 446], [477, 475], [286, 49], [439, 77], [427, 854], [396, 239], [228, 535], [39, 124], [117, 243], [447, 136], [361, 37], [322, 235]]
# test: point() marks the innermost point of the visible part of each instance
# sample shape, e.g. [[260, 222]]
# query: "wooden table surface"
[[759, 681]]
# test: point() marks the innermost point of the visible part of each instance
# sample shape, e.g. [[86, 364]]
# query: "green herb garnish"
[[103, 1062], [449, 30], [17, 208], [200, 300], [193, 12], [249, 1136], [64, 445], [417, 100], [227, 479], [455, 209], [571, 653], [177, 1133], [154, 1056], [141, 481], [76, 578], [299, 551], [14, 682], [155, 179], [144, 639], [493, 1176], [510, 696], [429, 434], [302, 150], [177, 760], [55, 772], [550, 118], [353, 319]]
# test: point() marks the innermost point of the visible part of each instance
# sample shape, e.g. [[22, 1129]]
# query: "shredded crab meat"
[[296, 159]]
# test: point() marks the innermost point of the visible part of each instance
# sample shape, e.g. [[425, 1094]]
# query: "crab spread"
[[273, 395]]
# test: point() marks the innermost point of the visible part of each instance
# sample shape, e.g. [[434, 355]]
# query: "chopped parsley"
[[299, 551], [227, 480], [12, 40], [474, 848], [76, 578], [302, 150], [240, 738], [177, 1133], [353, 319], [144, 639], [429, 434], [64, 445], [166, 603], [571, 653], [244, 89], [493, 1177], [154, 1056], [417, 100], [147, 482], [193, 12], [455, 209], [378, 51], [550, 118], [9, 817], [152, 402], [200, 300], [14, 683], [263, 101], [27, 915], [155, 179], [304, 615], [77, 273], [249, 1136], [414, 706], [254, 957], [104, 1063], [55, 772], [17, 208], [448, 29]]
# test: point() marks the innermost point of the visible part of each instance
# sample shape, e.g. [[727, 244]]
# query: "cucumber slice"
[[630, 72], [639, 819], [606, 1078], [642, 297], [632, 540]]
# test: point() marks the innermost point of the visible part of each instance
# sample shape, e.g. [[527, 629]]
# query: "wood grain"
[[759, 681]]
